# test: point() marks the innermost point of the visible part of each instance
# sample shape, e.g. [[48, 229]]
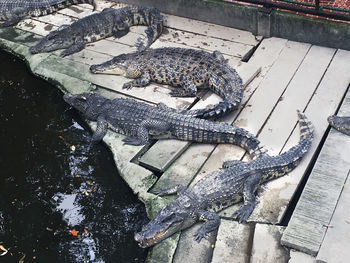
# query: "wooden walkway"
[[281, 77]]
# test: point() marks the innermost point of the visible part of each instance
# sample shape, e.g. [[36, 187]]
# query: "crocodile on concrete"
[[341, 124], [186, 69], [12, 11], [109, 22], [141, 121], [236, 181]]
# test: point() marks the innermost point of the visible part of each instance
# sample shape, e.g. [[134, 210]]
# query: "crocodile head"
[[58, 39], [342, 124], [127, 65], [174, 217], [87, 103]]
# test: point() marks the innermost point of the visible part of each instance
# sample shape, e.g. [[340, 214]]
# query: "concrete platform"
[[281, 77]]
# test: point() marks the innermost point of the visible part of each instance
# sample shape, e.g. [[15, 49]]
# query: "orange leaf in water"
[[74, 232]]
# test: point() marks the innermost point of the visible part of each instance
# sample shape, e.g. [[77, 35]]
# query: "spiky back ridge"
[[40, 7]]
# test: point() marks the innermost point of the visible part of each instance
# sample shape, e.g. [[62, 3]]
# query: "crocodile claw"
[[243, 213], [127, 85], [133, 141], [200, 235]]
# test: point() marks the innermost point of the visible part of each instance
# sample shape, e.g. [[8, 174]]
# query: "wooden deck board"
[[293, 75], [318, 200], [186, 166]]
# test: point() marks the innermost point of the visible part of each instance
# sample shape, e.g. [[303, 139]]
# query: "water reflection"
[[60, 200]]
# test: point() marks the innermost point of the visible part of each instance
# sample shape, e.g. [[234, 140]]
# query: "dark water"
[[57, 203]]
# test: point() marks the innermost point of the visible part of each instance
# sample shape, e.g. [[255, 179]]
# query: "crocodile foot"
[[201, 233], [127, 85], [244, 212]]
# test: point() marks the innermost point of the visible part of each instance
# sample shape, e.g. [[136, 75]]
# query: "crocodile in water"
[[341, 124], [109, 22], [140, 120], [12, 11], [180, 67], [220, 189]]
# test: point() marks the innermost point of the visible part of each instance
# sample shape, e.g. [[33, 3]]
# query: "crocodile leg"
[[120, 33], [250, 185], [78, 46], [15, 17], [143, 131], [212, 222], [14, 20], [189, 89], [142, 81], [219, 56], [101, 129], [176, 189]]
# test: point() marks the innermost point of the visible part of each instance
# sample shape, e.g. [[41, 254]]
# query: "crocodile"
[[140, 121], [236, 181], [12, 11], [186, 69], [109, 22], [341, 124]]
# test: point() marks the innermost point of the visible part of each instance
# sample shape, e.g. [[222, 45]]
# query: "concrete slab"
[[266, 245], [189, 250], [233, 242]]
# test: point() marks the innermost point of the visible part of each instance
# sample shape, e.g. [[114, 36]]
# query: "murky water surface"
[[59, 200]]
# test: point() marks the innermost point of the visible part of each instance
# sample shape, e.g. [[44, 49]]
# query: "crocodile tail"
[[292, 157], [227, 133], [154, 20], [219, 109], [306, 127]]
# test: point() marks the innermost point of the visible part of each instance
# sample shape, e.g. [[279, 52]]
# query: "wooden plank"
[[335, 245], [199, 41], [265, 56], [209, 29], [317, 192], [262, 102], [232, 242], [266, 245], [164, 152], [296, 96]]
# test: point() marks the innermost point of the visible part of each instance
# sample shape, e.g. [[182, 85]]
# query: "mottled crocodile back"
[[11, 11], [187, 69]]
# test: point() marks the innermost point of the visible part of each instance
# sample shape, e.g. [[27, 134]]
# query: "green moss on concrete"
[[164, 251]]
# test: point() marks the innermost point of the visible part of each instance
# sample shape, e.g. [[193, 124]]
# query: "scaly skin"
[[179, 67], [12, 11], [109, 22], [341, 124], [221, 189], [140, 120]]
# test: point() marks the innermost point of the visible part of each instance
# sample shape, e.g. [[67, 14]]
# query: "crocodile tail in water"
[[150, 17]]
